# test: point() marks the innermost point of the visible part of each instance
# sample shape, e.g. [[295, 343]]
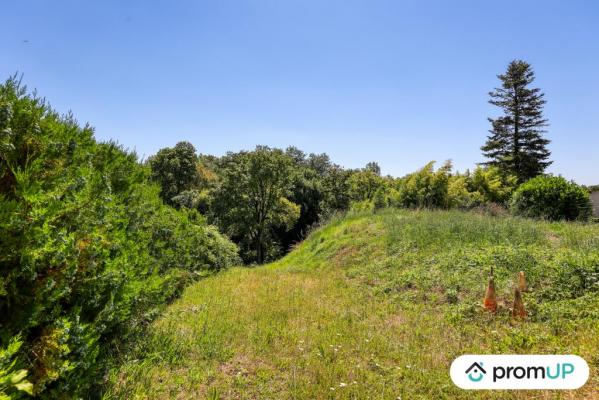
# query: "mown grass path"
[[375, 307]]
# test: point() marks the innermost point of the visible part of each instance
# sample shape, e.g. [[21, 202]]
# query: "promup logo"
[[519, 372], [476, 372]]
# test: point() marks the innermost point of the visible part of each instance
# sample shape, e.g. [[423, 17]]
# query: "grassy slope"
[[375, 307]]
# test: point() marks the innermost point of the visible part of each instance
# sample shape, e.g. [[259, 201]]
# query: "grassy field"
[[375, 307]]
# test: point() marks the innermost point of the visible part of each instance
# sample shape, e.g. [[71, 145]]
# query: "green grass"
[[375, 307]]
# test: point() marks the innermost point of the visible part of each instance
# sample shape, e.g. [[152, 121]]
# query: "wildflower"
[[342, 384]]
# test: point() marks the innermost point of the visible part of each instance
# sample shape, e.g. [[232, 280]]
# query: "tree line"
[[267, 199]]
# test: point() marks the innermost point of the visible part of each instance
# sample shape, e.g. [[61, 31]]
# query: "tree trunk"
[[260, 245]]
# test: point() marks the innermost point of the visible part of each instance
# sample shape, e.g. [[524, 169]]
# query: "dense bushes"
[[365, 184], [485, 188], [12, 380], [88, 251], [430, 188], [426, 188], [553, 198]]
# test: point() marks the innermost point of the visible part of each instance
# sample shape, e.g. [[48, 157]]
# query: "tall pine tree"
[[516, 144]]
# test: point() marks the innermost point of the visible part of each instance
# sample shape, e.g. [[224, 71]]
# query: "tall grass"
[[375, 306]]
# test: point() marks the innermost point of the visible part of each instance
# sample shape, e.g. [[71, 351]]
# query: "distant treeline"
[[267, 199]]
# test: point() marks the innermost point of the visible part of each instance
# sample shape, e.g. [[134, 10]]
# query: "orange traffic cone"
[[518, 309], [490, 300], [522, 281]]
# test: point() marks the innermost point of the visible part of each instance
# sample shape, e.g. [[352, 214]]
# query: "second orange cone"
[[490, 299]]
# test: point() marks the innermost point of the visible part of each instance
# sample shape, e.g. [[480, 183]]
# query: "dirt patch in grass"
[[345, 255], [395, 320], [553, 239], [242, 365]]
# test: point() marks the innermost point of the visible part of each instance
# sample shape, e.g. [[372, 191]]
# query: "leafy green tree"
[[176, 170], [426, 188], [363, 184], [380, 199], [458, 194], [251, 200], [374, 167], [516, 144], [336, 187], [307, 191], [492, 185]]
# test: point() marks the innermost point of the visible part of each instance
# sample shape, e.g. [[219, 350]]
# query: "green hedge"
[[88, 251], [553, 198]]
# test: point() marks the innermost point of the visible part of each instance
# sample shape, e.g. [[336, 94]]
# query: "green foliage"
[[486, 185], [89, 252], [308, 191], [251, 200], [426, 188], [553, 198], [362, 206], [492, 184], [516, 144], [374, 167], [364, 184], [430, 188], [13, 381], [176, 170], [380, 199], [336, 190], [459, 195]]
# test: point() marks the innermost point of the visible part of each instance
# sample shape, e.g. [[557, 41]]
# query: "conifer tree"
[[516, 144]]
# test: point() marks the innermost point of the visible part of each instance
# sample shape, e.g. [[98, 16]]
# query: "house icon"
[[476, 372]]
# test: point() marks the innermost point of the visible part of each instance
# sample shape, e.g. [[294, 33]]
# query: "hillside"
[[375, 306]]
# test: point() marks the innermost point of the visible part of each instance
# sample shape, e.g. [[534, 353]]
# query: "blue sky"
[[399, 82]]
